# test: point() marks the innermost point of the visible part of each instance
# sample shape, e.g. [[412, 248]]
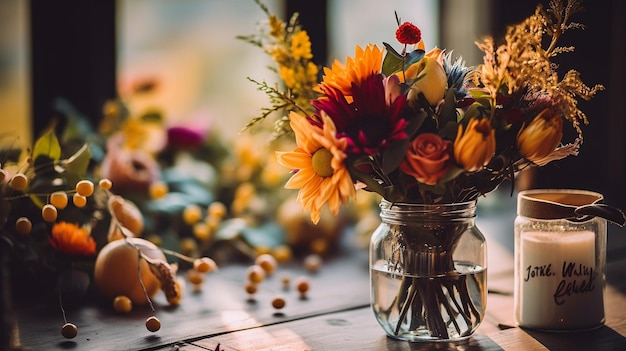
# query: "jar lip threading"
[[447, 211]]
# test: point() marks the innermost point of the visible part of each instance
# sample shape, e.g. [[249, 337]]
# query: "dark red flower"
[[408, 33], [184, 137], [368, 123]]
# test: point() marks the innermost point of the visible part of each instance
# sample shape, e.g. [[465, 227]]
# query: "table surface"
[[335, 315]]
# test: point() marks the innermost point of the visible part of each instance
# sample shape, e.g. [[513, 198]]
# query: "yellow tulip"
[[475, 147], [541, 136], [431, 78]]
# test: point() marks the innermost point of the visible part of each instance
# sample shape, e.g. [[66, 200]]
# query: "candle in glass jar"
[[558, 282]]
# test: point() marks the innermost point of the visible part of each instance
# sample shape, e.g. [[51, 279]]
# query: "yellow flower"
[[279, 54], [277, 27], [311, 72], [474, 148], [288, 76], [364, 64], [541, 137], [301, 46], [70, 239], [430, 78], [320, 173]]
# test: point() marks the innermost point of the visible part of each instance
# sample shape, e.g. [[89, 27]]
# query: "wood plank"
[[516, 339], [221, 306], [348, 330]]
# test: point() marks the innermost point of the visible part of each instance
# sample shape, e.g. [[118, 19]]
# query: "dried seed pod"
[[126, 214], [167, 276]]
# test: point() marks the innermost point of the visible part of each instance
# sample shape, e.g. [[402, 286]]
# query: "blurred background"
[[187, 53]]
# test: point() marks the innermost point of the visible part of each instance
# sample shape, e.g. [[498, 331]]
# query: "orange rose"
[[541, 136], [427, 158], [475, 148], [70, 239]]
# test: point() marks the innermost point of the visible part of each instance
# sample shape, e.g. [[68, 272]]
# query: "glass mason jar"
[[428, 271], [560, 259]]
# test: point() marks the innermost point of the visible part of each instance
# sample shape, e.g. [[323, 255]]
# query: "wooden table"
[[335, 316]]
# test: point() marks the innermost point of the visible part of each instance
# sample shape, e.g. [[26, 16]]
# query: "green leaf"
[[476, 110], [393, 155], [372, 184], [481, 97], [392, 51], [393, 193], [449, 130], [438, 189], [47, 145], [415, 123], [451, 174], [76, 165], [392, 62], [448, 109]]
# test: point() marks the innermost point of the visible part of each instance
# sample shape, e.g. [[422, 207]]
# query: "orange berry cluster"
[[57, 200]]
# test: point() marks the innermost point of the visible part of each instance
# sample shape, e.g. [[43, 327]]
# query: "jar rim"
[[457, 210], [445, 204]]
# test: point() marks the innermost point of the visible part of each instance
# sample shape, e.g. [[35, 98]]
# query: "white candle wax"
[[558, 282]]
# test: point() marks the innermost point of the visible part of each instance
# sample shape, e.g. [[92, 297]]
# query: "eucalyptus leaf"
[[47, 145]]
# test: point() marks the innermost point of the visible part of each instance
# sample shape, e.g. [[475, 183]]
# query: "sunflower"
[[70, 239], [369, 122], [319, 171], [366, 62]]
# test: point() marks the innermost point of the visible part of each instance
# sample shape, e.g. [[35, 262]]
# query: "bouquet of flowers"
[[421, 127], [417, 126]]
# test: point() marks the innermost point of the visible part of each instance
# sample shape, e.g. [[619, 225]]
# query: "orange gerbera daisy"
[[320, 173], [70, 239], [365, 63]]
